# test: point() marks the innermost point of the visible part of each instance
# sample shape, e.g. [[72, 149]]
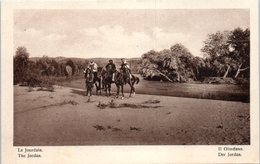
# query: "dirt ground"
[[66, 117]]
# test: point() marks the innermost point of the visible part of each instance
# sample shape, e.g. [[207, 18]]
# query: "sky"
[[119, 33]]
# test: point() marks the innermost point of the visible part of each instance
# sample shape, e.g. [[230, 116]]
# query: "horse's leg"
[[122, 90], [109, 89], [96, 88], [133, 91], [117, 93], [99, 84], [86, 94], [133, 88], [87, 91], [106, 88], [130, 88], [103, 88]]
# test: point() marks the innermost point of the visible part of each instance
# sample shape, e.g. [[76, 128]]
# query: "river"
[[229, 92]]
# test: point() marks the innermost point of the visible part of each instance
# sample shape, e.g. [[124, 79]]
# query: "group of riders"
[[111, 67], [103, 77]]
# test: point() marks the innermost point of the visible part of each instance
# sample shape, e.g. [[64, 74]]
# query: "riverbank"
[[66, 117]]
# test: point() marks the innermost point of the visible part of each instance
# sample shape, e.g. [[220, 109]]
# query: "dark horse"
[[107, 80], [98, 81], [122, 78], [89, 76]]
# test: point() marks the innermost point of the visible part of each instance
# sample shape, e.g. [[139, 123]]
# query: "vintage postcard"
[[130, 82]]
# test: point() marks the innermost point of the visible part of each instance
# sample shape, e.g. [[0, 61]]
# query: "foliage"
[[227, 52], [216, 50], [174, 64], [21, 64], [240, 43], [47, 71]]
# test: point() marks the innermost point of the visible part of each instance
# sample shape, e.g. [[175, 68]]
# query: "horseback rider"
[[126, 67], [111, 67], [94, 67]]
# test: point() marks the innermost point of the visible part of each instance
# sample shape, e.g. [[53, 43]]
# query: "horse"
[[122, 78], [106, 81], [98, 81], [89, 76]]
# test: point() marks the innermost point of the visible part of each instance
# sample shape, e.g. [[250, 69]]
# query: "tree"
[[152, 55], [183, 59], [216, 50], [44, 64], [180, 50], [198, 66], [240, 49], [228, 52], [21, 64], [176, 64]]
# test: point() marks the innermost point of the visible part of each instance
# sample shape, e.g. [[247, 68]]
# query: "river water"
[[228, 92]]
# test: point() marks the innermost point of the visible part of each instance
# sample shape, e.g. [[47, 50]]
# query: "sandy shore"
[[65, 117]]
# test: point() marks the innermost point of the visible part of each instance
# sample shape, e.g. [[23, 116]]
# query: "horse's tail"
[[137, 80]]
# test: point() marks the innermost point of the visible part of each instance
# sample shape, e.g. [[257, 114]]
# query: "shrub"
[[21, 62]]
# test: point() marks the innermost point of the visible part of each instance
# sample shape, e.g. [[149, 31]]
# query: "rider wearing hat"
[[125, 66], [111, 67], [94, 67]]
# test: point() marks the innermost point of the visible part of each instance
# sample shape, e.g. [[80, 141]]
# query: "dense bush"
[[21, 64], [44, 71], [176, 64]]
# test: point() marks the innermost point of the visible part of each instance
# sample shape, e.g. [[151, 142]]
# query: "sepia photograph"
[[131, 77]]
